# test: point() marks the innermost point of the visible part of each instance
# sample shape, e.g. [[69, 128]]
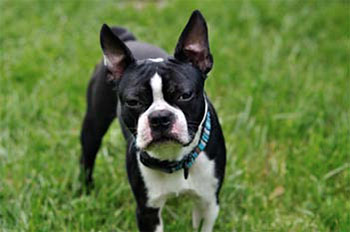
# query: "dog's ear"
[[117, 55], [193, 44]]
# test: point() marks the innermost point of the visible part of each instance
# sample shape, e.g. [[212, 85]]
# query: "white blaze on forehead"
[[106, 62], [156, 85], [156, 60]]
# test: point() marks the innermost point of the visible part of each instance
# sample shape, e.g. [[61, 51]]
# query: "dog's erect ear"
[[193, 44], [117, 55]]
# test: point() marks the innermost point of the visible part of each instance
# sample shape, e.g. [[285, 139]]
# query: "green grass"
[[280, 84]]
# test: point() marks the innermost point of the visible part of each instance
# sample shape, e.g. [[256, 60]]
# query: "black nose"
[[160, 119]]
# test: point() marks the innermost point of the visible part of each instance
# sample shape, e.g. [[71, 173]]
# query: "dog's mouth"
[[165, 140]]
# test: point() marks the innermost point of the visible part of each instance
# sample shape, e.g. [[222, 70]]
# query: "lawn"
[[280, 84]]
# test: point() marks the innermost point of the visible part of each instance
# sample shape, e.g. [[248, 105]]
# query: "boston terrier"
[[175, 144]]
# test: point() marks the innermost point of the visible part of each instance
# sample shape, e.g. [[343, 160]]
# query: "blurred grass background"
[[280, 84]]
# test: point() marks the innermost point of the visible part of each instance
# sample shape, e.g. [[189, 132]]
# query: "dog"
[[175, 143]]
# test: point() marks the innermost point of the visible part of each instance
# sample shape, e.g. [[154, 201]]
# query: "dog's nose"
[[160, 119]]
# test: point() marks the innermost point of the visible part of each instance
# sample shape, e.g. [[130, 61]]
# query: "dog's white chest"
[[201, 182]]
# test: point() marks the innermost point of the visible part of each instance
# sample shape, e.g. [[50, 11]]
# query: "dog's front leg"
[[149, 219], [208, 211], [197, 215]]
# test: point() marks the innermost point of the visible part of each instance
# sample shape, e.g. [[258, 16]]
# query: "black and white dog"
[[175, 144]]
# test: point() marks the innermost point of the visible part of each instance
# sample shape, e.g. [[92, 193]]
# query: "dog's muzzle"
[[161, 123]]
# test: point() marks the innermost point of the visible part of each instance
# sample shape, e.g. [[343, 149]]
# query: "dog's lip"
[[163, 140]]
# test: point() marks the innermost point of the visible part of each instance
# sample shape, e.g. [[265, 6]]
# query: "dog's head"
[[161, 101]]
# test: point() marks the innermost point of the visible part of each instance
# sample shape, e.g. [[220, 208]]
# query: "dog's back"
[[140, 50]]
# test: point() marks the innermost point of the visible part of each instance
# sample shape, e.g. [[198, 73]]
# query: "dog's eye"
[[132, 103], [185, 97]]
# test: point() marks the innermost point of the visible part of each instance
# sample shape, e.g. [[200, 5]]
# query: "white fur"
[[106, 61], [159, 228], [210, 213], [156, 84], [156, 60], [201, 184]]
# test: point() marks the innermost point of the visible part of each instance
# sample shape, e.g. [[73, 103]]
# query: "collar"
[[187, 161]]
